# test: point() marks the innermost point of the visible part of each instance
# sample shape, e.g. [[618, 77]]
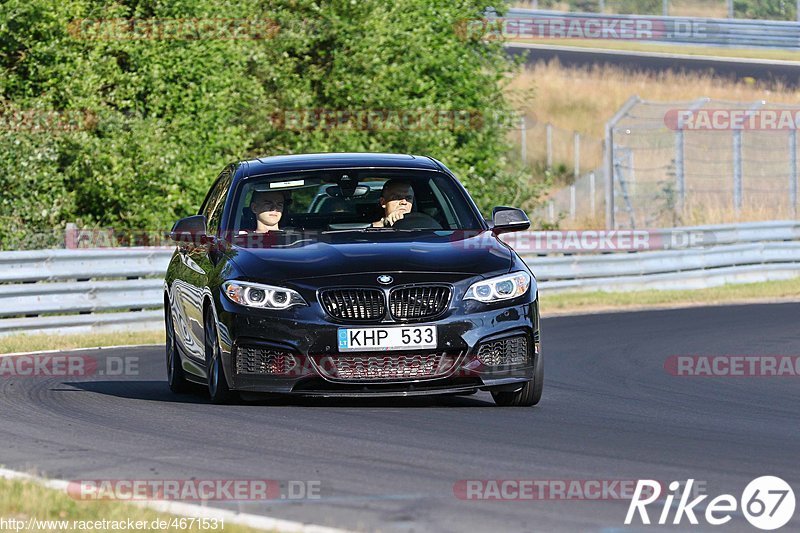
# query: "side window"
[[215, 202]]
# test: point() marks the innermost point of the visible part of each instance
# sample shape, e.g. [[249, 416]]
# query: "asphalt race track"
[[610, 412]]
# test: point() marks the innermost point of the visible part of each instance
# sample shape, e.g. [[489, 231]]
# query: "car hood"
[[466, 253]]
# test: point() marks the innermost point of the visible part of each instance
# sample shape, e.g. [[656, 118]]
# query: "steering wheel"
[[417, 220]]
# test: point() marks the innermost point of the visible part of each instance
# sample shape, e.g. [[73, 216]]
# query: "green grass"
[[604, 301], [22, 500], [31, 343], [637, 46]]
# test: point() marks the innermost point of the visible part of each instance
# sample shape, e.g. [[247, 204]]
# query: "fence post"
[[680, 161], [603, 6], [70, 236], [737, 171], [608, 163], [609, 168], [665, 8], [680, 176], [731, 14], [592, 193], [737, 160], [572, 202], [577, 149], [549, 130], [523, 140], [793, 170]]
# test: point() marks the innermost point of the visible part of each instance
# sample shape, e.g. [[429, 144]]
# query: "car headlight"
[[261, 296], [500, 288]]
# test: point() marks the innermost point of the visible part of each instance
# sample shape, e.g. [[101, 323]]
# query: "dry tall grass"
[[584, 99], [698, 8]]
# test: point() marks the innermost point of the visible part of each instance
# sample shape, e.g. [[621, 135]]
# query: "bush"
[[143, 126], [766, 9]]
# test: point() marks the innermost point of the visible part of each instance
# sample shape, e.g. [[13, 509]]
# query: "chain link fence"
[[668, 164], [573, 161], [704, 161]]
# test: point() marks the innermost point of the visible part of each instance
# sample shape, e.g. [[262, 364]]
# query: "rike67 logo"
[[767, 502]]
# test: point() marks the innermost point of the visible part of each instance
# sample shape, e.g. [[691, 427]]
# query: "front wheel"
[[529, 394], [218, 388]]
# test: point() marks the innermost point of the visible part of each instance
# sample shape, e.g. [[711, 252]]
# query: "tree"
[[150, 122]]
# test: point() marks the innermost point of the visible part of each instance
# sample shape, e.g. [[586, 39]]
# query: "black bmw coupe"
[[357, 275]]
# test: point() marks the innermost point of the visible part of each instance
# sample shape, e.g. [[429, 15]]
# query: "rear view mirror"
[[508, 219], [335, 191], [189, 230]]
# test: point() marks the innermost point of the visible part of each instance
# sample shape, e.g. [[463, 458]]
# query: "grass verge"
[[589, 302], [31, 343], [24, 500]]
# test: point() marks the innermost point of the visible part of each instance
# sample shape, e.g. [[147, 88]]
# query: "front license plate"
[[394, 338]]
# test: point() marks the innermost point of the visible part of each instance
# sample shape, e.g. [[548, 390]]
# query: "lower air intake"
[[259, 360], [505, 352]]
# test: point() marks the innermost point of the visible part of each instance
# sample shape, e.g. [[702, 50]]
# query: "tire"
[[218, 389], [530, 394], [176, 378]]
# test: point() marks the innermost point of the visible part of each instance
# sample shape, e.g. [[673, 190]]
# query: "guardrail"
[[81, 291], [75, 291], [685, 30]]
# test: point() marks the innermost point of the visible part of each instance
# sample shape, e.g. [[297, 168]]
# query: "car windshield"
[[352, 201]]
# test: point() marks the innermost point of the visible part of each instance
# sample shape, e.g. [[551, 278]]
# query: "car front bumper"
[[310, 339]]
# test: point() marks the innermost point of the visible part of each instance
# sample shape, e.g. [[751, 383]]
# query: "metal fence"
[[85, 290], [580, 204], [80, 291], [569, 156], [569, 153], [789, 9], [700, 161], [674, 30]]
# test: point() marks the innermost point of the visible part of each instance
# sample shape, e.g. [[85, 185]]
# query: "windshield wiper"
[[359, 230]]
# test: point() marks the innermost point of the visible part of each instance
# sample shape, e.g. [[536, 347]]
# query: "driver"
[[268, 207], [397, 199]]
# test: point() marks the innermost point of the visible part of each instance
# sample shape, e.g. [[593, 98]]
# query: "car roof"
[[290, 163]]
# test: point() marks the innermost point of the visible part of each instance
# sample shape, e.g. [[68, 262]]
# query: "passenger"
[[268, 208], [397, 199]]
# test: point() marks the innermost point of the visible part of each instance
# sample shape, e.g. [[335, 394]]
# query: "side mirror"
[[508, 219], [189, 230]]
